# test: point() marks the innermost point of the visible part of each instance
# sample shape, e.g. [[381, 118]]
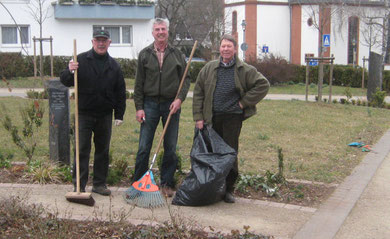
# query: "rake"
[[145, 192]]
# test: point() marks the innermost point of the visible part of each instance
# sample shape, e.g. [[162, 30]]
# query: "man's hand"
[[118, 122], [199, 124], [73, 66], [175, 106], [140, 116]]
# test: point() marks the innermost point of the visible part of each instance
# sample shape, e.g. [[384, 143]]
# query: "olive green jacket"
[[251, 85], [159, 83]]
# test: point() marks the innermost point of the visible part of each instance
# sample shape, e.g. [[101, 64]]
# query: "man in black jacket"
[[101, 90]]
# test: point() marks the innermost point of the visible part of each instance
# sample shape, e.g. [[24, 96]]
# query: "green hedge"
[[14, 65]]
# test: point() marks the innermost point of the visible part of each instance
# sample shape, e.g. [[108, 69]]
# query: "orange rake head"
[[146, 183]]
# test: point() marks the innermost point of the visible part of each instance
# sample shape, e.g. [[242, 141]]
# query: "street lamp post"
[[244, 46]]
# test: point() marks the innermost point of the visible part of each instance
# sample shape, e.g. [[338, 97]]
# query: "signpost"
[[326, 40]]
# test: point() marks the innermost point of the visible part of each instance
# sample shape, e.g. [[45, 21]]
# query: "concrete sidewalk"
[[354, 210]]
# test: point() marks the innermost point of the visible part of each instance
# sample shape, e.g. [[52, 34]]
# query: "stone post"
[[59, 121]]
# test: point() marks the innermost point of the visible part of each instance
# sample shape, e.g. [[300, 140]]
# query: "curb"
[[328, 219]]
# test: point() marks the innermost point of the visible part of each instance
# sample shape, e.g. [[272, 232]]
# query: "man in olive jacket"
[[101, 90], [160, 70], [226, 93]]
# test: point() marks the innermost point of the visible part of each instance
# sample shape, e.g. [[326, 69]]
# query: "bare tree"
[[173, 10], [375, 29], [201, 19], [320, 15], [39, 10]]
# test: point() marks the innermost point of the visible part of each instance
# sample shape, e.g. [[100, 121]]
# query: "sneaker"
[[229, 198], [167, 191], [102, 190]]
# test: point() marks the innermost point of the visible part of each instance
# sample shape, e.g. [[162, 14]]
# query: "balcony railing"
[[108, 2], [104, 9]]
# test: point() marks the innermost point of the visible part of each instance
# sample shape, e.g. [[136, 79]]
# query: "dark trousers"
[[100, 127], [155, 111], [228, 126]]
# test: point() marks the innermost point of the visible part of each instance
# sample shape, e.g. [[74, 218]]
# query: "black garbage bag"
[[211, 161]]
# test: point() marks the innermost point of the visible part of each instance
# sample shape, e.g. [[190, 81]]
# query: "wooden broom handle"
[[177, 95], [76, 114]]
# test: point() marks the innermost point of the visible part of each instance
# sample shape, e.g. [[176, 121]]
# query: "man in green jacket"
[[226, 93], [160, 70]]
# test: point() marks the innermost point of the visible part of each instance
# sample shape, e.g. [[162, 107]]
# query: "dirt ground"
[[296, 193]]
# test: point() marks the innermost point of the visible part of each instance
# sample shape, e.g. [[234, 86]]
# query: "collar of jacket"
[[90, 57], [239, 63], [169, 48]]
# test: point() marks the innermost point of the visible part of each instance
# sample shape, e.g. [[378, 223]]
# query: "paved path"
[[21, 92]]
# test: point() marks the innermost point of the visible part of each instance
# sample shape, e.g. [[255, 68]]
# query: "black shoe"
[[102, 190], [229, 198]]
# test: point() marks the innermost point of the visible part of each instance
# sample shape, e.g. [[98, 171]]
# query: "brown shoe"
[[167, 191], [102, 190]]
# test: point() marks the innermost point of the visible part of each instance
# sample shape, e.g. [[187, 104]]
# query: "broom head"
[[145, 193], [80, 198]]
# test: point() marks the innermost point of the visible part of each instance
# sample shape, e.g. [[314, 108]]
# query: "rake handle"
[[76, 113], [170, 113]]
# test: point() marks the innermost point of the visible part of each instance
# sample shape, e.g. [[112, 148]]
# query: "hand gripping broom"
[[144, 192], [78, 197]]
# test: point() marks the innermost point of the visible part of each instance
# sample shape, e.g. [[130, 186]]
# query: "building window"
[[234, 22], [119, 34], [353, 27], [11, 35]]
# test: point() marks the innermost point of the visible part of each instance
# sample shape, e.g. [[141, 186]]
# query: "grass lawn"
[[313, 136]]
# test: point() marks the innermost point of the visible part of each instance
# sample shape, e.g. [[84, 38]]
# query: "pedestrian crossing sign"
[[326, 40]]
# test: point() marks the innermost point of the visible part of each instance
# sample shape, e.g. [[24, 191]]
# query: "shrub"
[[195, 69], [5, 160], [32, 115], [13, 65], [343, 101], [334, 101], [275, 68], [128, 66], [378, 98]]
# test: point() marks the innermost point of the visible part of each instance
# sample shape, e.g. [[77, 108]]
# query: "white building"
[[287, 28], [130, 26]]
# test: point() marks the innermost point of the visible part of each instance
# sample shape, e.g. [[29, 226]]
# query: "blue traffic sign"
[[265, 49], [313, 63], [326, 40]]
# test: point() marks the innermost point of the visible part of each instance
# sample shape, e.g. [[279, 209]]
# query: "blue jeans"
[[101, 128], [153, 112]]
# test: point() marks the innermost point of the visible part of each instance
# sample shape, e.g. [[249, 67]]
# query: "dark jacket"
[[99, 91], [251, 85], [159, 83]]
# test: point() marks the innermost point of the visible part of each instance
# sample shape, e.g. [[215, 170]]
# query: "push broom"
[[145, 192], [78, 197]]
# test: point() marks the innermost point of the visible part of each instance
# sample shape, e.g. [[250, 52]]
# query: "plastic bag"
[[211, 161]]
